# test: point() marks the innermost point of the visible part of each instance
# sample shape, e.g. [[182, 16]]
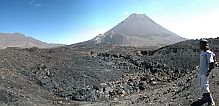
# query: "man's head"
[[203, 44]]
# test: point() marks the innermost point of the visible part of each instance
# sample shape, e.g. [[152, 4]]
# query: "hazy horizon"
[[73, 21]]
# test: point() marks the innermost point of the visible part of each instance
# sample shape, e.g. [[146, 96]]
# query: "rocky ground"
[[103, 75]]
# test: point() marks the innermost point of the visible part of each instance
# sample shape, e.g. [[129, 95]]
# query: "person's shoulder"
[[209, 52]]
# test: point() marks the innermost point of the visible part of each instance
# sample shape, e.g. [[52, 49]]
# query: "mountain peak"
[[138, 15], [138, 30]]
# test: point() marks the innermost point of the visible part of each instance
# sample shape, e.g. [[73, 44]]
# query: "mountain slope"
[[137, 30], [22, 41], [105, 75]]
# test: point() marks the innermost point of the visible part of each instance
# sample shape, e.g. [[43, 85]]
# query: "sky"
[[73, 21]]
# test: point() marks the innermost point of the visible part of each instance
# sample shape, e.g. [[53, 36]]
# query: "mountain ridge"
[[22, 41]]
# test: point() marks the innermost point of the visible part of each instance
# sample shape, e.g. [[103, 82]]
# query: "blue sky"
[[72, 21]]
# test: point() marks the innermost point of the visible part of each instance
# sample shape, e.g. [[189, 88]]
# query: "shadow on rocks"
[[198, 103]]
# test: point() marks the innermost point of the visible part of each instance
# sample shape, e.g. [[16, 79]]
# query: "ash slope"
[[22, 41], [137, 30], [103, 75]]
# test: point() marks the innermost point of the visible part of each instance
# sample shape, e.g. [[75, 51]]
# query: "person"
[[206, 66]]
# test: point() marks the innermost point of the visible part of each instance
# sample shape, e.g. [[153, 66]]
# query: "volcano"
[[137, 30]]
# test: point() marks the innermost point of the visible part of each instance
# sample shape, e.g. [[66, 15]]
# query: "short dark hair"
[[203, 41]]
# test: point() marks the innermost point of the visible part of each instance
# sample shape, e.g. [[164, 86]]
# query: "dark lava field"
[[104, 75]]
